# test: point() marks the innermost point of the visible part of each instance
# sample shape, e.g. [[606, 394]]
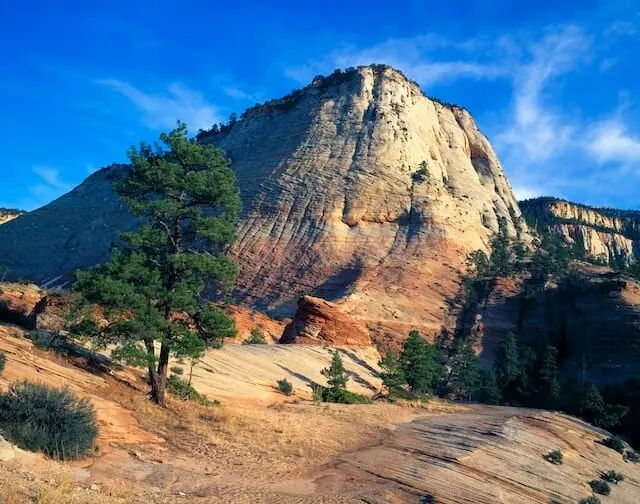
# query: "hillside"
[[357, 189], [603, 235]]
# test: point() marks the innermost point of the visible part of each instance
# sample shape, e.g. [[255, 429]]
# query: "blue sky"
[[555, 87]]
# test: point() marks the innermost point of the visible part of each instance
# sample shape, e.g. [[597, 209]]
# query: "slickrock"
[[319, 322]]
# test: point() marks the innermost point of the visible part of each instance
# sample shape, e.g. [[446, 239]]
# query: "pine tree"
[[500, 260], [150, 290], [418, 361], [392, 374], [490, 391], [465, 371], [549, 388], [507, 365], [336, 379]]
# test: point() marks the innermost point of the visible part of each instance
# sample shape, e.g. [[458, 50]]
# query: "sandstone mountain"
[[604, 235], [358, 189]]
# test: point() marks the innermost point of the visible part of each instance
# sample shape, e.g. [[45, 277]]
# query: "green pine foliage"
[[590, 500], [392, 374], [490, 391], [507, 366], [3, 361], [548, 377], [337, 378], [186, 197], [183, 389], [592, 408], [465, 377], [419, 364], [53, 421]]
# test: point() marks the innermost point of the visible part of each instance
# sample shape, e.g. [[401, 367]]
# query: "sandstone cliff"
[[358, 189], [603, 235]]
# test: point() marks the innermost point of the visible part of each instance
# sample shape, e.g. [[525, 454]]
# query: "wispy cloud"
[[161, 111], [611, 142], [536, 131], [414, 55], [48, 186]]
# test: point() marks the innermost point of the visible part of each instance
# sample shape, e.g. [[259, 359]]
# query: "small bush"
[[555, 457], [285, 386], [324, 394], [54, 421], [3, 361], [631, 456], [177, 370], [590, 500], [256, 338], [177, 386], [613, 477], [600, 487], [615, 443], [48, 340]]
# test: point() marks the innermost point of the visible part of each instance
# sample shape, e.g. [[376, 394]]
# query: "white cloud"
[[51, 177], [610, 142], [160, 111], [536, 132], [412, 55]]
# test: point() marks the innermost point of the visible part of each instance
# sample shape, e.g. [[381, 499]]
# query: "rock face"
[[357, 189], [19, 302], [247, 320], [592, 317], [607, 236], [319, 322], [7, 214]]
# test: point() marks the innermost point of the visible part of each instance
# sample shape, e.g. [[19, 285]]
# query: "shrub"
[[324, 394], [177, 370], [590, 500], [48, 340], [600, 487], [54, 421], [285, 387], [613, 477], [186, 392], [256, 338], [555, 457], [3, 361], [631, 456], [615, 443]]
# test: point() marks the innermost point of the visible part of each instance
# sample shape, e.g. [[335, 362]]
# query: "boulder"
[[320, 322]]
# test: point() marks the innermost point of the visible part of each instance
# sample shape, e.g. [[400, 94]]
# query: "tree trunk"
[[158, 388]]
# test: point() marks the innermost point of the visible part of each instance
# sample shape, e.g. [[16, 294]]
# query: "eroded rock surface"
[[319, 322]]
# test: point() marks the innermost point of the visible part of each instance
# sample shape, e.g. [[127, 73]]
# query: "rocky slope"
[[604, 235], [7, 214], [358, 189]]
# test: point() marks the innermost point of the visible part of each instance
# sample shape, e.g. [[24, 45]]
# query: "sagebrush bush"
[[555, 457], [613, 477], [3, 361], [615, 443], [48, 340], [177, 370], [285, 386], [590, 500], [256, 338], [600, 487], [631, 456], [54, 421]]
